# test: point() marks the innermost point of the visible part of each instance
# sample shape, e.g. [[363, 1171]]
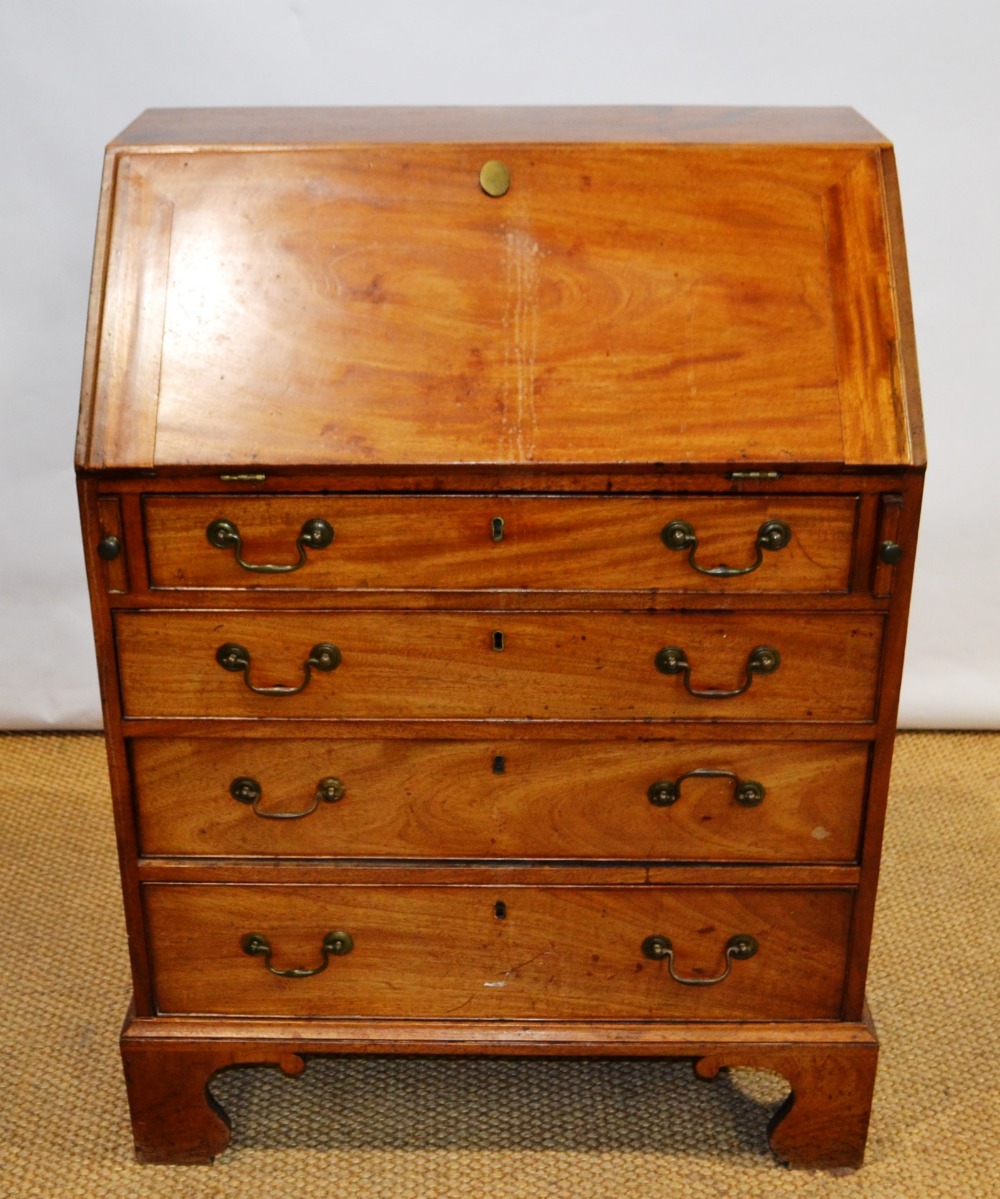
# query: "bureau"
[[500, 526]]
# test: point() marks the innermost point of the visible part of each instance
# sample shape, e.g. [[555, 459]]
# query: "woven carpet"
[[459, 1129]]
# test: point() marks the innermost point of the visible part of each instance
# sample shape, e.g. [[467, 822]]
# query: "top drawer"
[[563, 543]]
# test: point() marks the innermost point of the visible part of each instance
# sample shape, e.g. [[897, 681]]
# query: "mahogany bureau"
[[500, 527]]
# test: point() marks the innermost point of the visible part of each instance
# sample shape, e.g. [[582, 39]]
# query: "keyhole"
[[499, 764], [496, 528], [500, 910], [498, 640]]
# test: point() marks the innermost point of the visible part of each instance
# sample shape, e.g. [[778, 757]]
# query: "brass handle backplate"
[[335, 944], [679, 535], [673, 660], [659, 949], [315, 534], [236, 658], [249, 791], [746, 792]]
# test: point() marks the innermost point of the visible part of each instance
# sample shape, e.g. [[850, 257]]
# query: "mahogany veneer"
[[491, 761]]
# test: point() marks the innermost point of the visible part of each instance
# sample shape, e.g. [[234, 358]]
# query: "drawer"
[[542, 542], [498, 952], [439, 665], [515, 799]]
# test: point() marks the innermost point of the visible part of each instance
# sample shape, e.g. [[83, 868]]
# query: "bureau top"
[[337, 287], [244, 127]]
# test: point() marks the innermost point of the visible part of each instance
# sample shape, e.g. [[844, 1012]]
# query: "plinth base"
[[822, 1125]]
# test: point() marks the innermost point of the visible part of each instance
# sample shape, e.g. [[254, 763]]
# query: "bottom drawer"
[[518, 952]]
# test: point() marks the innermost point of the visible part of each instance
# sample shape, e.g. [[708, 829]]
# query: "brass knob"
[[494, 178], [109, 547]]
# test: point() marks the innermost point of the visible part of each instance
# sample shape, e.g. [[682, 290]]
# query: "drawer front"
[[498, 665], [457, 542], [787, 802], [495, 952]]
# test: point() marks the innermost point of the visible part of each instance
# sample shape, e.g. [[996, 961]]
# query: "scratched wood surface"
[[620, 304], [500, 799], [556, 952]]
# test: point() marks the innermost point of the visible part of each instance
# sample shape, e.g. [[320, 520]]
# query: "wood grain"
[[562, 543], [560, 953], [118, 768], [555, 665], [386, 311], [123, 421], [489, 125], [115, 570], [95, 313], [831, 1067], [909, 379], [175, 1121], [803, 478], [319, 313], [823, 1124], [878, 789], [427, 799], [889, 521], [378, 872], [854, 220]]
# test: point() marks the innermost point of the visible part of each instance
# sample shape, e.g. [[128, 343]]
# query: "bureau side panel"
[[890, 679], [101, 576]]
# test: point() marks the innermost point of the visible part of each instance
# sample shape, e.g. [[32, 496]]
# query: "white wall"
[[73, 74]]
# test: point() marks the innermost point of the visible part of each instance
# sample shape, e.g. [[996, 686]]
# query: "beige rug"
[[452, 1129]]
